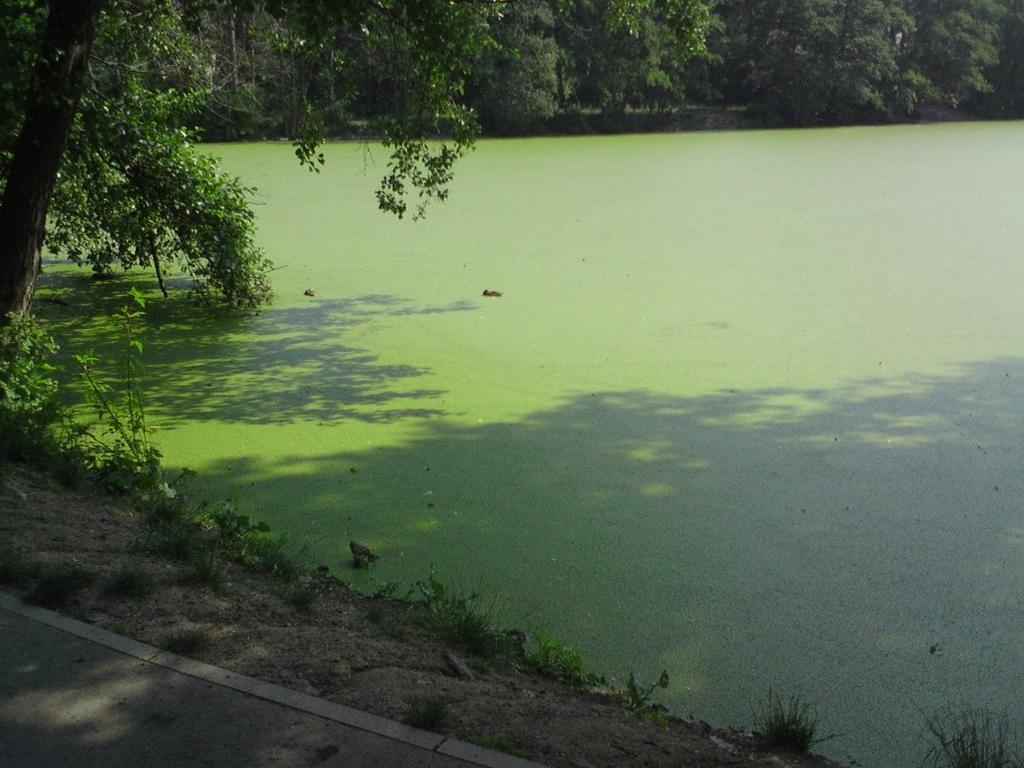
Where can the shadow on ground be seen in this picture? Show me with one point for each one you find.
(71, 703)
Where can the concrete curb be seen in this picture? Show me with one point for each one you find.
(354, 718)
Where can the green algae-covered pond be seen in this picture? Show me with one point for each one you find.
(751, 407)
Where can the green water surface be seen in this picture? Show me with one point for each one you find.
(751, 407)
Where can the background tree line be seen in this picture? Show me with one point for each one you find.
(102, 101)
(555, 67)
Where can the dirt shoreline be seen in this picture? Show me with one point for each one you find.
(357, 650)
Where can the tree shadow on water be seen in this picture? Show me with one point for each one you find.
(280, 365)
(859, 544)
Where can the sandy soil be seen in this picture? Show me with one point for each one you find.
(360, 651)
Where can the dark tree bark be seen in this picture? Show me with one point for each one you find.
(49, 112)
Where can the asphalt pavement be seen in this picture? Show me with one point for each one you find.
(73, 695)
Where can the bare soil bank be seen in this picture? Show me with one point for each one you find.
(360, 651)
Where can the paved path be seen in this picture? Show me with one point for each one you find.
(73, 695)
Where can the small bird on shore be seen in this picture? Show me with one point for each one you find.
(361, 554)
(309, 292)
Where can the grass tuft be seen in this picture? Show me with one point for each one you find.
(129, 583)
(426, 713)
(173, 540)
(456, 618)
(56, 588)
(185, 642)
(296, 594)
(205, 567)
(553, 658)
(970, 738)
(396, 630)
(461, 623)
(788, 725)
(268, 552)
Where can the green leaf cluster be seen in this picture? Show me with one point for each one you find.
(133, 191)
(117, 450)
(553, 658)
(639, 697)
(250, 542)
(28, 388)
(809, 62)
(457, 617)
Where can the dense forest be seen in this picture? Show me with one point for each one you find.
(102, 101)
(555, 67)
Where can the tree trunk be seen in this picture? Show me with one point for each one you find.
(49, 112)
(234, 56)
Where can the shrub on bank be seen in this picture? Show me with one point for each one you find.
(971, 738)
(790, 724)
(35, 427)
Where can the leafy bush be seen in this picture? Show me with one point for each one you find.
(135, 192)
(177, 540)
(554, 659)
(165, 505)
(385, 589)
(251, 543)
(639, 698)
(28, 391)
(457, 619)
(120, 456)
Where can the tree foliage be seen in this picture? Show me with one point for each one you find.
(133, 190)
(1006, 97)
(809, 62)
(110, 91)
(805, 62)
(163, 75)
(556, 64)
(514, 87)
(954, 42)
